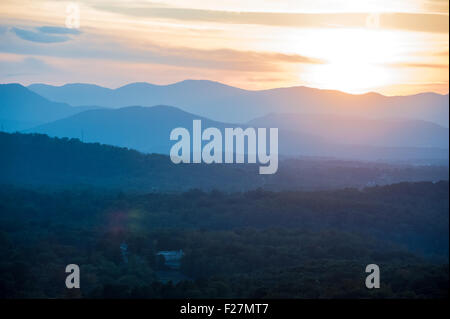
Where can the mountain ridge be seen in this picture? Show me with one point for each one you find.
(21, 108)
(230, 86)
(231, 104)
(147, 129)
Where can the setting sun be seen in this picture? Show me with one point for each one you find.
(354, 61)
(349, 77)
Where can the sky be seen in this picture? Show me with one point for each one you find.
(394, 47)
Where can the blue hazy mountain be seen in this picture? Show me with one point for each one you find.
(21, 108)
(229, 104)
(147, 129)
(361, 131)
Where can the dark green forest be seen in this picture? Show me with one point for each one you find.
(36, 160)
(257, 244)
(307, 232)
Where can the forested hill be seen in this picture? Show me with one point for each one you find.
(35, 159)
(253, 244)
(38, 160)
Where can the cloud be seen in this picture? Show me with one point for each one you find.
(437, 5)
(419, 65)
(423, 22)
(45, 34)
(94, 46)
(58, 30)
(34, 36)
(442, 53)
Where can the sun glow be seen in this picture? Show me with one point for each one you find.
(349, 77)
(354, 59)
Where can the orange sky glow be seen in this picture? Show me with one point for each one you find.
(394, 47)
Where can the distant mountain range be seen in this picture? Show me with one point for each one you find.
(147, 129)
(21, 108)
(361, 131)
(229, 104)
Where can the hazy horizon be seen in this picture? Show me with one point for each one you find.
(114, 87)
